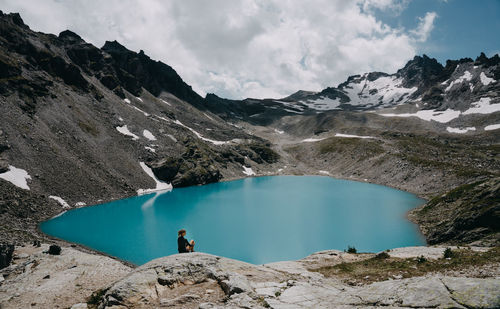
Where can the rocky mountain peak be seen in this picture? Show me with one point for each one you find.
(421, 70)
(15, 18)
(114, 46)
(70, 37)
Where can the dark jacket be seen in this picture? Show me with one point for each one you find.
(181, 244)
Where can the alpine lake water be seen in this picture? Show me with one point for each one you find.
(257, 220)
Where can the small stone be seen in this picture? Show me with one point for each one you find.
(54, 250)
(79, 306)
(46, 277)
(209, 291)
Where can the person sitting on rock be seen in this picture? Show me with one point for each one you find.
(183, 245)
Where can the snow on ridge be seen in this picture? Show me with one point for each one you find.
(323, 103)
(312, 140)
(428, 115)
(201, 136)
(160, 185)
(483, 106)
(139, 99)
(60, 201)
(465, 77)
(351, 135)
(388, 91)
(150, 148)
(492, 127)
(125, 131)
(460, 130)
(485, 79)
(17, 177)
(248, 171)
(147, 134)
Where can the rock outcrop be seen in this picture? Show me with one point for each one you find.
(205, 281)
(467, 214)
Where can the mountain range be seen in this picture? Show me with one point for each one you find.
(81, 125)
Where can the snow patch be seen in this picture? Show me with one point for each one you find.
(384, 91)
(483, 106)
(324, 172)
(492, 127)
(150, 148)
(147, 134)
(160, 185)
(17, 177)
(428, 115)
(208, 117)
(165, 102)
(126, 101)
(60, 201)
(460, 130)
(125, 131)
(199, 135)
(139, 99)
(172, 137)
(350, 135)
(279, 131)
(312, 140)
(323, 103)
(120, 118)
(465, 77)
(485, 79)
(248, 171)
(80, 204)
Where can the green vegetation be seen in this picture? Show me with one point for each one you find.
(95, 298)
(379, 269)
(362, 147)
(351, 249)
(451, 196)
(448, 253)
(88, 128)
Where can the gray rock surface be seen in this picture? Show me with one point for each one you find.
(235, 284)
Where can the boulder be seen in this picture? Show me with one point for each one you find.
(6, 252)
(54, 250)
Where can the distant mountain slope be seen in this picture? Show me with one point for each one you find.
(422, 83)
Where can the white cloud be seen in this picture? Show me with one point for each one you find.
(242, 48)
(425, 26)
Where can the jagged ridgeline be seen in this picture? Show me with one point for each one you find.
(82, 124)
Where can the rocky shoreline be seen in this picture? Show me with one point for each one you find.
(81, 280)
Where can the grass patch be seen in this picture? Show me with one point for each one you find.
(380, 269)
(88, 128)
(363, 147)
(95, 298)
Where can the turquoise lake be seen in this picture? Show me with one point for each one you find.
(257, 220)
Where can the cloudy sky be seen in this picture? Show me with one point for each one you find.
(271, 48)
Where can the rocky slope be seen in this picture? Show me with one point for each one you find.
(77, 121)
(467, 214)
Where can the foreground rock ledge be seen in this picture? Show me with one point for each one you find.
(201, 280)
(198, 280)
